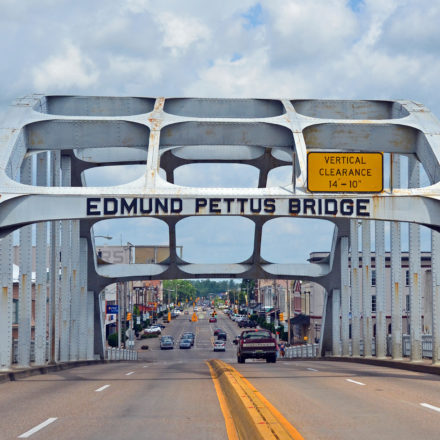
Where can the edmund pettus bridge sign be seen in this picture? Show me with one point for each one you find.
(335, 149)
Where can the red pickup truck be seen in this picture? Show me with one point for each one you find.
(256, 344)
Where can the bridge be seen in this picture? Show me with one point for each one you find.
(47, 142)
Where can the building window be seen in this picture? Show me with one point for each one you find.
(373, 277)
(407, 304)
(406, 277)
(373, 303)
(15, 311)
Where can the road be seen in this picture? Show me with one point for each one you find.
(170, 394)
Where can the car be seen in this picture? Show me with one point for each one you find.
(256, 344)
(166, 344)
(221, 336)
(212, 319)
(189, 335)
(217, 331)
(152, 330)
(219, 346)
(185, 343)
(186, 312)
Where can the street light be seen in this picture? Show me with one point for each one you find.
(107, 237)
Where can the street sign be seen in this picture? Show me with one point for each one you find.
(345, 172)
(112, 309)
(194, 317)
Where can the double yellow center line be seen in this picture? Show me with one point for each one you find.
(248, 414)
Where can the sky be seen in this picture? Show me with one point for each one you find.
(356, 49)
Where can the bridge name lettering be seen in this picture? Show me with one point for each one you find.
(138, 206)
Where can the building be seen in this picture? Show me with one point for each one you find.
(307, 298)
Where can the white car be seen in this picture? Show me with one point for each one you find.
(219, 346)
(153, 329)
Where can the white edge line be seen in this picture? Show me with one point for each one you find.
(427, 405)
(312, 369)
(128, 374)
(38, 427)
(354, 381)
(102, 388)
(145, 366)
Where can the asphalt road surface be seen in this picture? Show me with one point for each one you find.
(170, 395)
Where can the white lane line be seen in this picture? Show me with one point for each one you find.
(434, 408)
(128, 374)
(102, 388)
(312, 369)
(145, 366)
(354, 381)
(38, 427)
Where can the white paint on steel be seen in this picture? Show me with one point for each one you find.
(435, 270)
(367, 326)
(66, 268)
(54, 271)
(83, 299)
(75, 291)
(336, 327)
(415, 295)
(345, 297)
(41, 264)
(6, 302)
(355, 288)
(25, 281)
(396, 276)
(38, 427)
(381, 319)
(90, 324)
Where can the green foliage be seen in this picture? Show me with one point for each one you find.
(179, 291)
(113, 339)
(150, 336)
(136, 311)
(137, 328)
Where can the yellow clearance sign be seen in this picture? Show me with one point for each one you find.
(345, 172)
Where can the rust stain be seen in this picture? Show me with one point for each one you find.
(5, 292)
(209, 131)
(396, 289)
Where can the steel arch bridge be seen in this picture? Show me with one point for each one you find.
(47, 142)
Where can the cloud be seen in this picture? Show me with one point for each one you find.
(179, 33)
(70, 69)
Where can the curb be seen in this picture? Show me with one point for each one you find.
(11, 376)
(253, 416)
(388, 363)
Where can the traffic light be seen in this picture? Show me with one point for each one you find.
(129, 316)
(281, 316)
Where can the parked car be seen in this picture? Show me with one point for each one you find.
(219, 346)
(185, 343)
(154, 329)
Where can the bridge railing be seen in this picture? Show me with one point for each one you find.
(302, 351)
(312, 350)
(121, 354)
